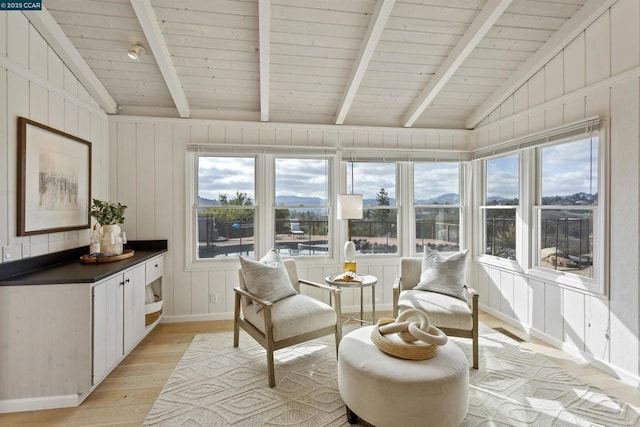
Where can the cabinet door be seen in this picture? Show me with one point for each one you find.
(134, 283)
(107, 326)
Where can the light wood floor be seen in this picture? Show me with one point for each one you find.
(126, 396)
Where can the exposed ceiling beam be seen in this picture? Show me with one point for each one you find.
(367, 47)
(264, 26)
(556, 43)
(62, 46)
(149, 23)
(487, 17)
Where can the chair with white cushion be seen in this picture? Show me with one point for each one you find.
(269, 307)
(295, 230)
(435, 284)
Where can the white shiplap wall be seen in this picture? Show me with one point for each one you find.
(148, 175)
(598, 73)
(34, 83)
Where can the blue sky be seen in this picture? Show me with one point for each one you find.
(566, 169)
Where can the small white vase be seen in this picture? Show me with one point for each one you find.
(109, 242)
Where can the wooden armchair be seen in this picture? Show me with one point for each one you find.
(286, 322)
(452, 315)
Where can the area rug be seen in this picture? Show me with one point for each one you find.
(216, 384)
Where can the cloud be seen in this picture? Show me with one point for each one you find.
(302, 177)
(435, 179)
(225, 175)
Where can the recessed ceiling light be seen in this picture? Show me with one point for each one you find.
(136, 51)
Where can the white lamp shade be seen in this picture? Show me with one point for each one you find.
(349, 206)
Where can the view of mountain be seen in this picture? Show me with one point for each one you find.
(444, 199)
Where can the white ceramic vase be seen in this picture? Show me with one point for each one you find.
(111, 242)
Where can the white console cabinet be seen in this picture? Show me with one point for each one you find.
(58, 341)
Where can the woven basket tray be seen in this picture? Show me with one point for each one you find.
(402, 349)
(149, 318)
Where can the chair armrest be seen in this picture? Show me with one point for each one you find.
(472, 292)
(252, 297)
(332, 289)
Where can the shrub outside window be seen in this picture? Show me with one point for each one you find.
(436, 188)
(225, 206)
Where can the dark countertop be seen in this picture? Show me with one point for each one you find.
(65, 267)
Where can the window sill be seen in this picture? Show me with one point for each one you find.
(502, 263)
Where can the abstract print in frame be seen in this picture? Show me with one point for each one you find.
(54, 180)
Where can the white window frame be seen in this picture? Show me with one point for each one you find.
(264, 202)
(399, 214)
(481, 238)
(598, 283)
(329, 206)
(460, 206)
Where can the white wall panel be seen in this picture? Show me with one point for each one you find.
(55, 68)
(625, 199)
(598, 55)
(18, 43)
(37, 53)
(625, 35)
(553, 77)
(506, 293)
(126, 174)
(574, 65)
(3, 35)
(597, 328)
(145, 181)
(537, 305)
(181, 279)
(38, 103)
(521, 298)
(574, 318)
(553, 322)
(4, 153)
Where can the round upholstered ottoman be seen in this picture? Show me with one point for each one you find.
(388, 391)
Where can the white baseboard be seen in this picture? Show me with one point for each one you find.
(38, 403)
(606, 367)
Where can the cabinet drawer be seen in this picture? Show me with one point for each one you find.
(154, 269)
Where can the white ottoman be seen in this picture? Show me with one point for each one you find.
(388, 391)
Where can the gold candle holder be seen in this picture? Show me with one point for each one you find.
(350, 266)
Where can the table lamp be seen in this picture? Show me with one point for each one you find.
(349, 207)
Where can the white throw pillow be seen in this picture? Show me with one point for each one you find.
(443, 273)
(267, 279)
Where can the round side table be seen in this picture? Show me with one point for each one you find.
(361, 281)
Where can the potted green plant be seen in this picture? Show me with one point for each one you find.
(109, 215)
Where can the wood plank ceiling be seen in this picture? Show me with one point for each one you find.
(420, 63)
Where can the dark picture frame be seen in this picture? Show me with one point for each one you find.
(54, 180)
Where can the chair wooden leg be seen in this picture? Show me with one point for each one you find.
(271, 371)
(475, 349)
(236, 317)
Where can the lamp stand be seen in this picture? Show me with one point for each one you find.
(349, 253)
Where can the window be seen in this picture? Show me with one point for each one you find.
(225, 206)
(501, 200)
(436, 191)
(567, 206)
(377, 231)
(302, 210)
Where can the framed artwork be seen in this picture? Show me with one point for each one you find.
(54, 180)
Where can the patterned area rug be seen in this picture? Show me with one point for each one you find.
(218, 385)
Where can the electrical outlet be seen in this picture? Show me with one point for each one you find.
(6, 253)
(26, 250)
(213, 298)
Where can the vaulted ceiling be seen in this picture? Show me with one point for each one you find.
(411, 63)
